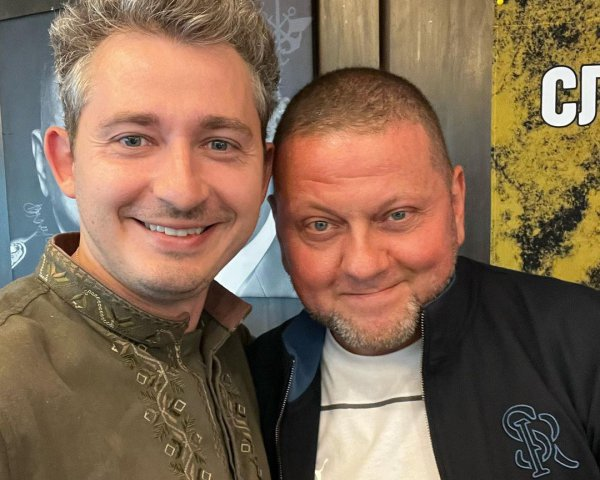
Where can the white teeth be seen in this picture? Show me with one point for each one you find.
(174, 232)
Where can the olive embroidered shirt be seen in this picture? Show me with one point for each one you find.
(93, 388)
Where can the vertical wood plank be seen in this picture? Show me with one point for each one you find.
(445, 48)
(348, 34)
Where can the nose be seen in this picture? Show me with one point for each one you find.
(178, 180)
(365, 257)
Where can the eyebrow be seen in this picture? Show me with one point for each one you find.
(324, 209)
(213, 122)
(210, 122)
(318, 208)
(143, 119)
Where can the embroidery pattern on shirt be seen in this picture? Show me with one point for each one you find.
(93, 300)
(165, 411)
(237, 413)
(161, 383)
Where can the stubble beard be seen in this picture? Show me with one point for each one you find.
(355, 337)
(398, 333)
(171, 292)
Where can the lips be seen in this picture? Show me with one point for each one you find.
(370, 292)
(174, 232)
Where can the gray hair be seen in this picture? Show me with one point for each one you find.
(362, 100)
(84, 24)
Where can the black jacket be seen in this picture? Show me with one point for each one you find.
(511, 375)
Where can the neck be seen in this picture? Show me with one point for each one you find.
(187, 309)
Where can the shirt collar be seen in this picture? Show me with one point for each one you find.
(96, 302)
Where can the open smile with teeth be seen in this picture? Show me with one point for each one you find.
(174, 232)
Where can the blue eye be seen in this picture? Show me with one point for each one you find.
(132, 141)
(320, 225)
(219, 145)
(398, 215)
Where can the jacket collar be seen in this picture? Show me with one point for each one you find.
(96, 302)
(303, 339)
(447, 318)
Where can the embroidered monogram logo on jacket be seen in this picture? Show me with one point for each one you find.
(538, 432)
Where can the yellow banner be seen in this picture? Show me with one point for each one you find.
(546, 138)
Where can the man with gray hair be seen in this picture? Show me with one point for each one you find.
(121, 357)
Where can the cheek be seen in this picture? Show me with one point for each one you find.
(416, 254)
(433, 262)
(247, 206)
(95, 179)
(430, 250)
(106, 194)
(242, 190)
(311, 269)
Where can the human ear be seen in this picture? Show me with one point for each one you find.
(273, 203)
(59, 154)
(458, 192)
(268, 166)
(37, 148)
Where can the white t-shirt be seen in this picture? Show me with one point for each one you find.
(373, 422)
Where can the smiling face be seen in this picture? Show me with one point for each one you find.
(369, 230)
(168, 168)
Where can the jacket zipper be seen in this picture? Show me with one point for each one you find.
(423, 388)
(422, 364)
(280, 418)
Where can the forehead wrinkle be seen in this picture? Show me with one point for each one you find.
(310, 192)
(354, 167)
(343, 179)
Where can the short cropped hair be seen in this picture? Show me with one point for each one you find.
(83, 24)
(361, 100)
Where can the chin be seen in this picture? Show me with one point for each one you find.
(359, 334)
(163, 290)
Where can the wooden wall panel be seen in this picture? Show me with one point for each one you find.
(445, 48)
(348, 34)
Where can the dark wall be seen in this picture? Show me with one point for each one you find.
(18, 8)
